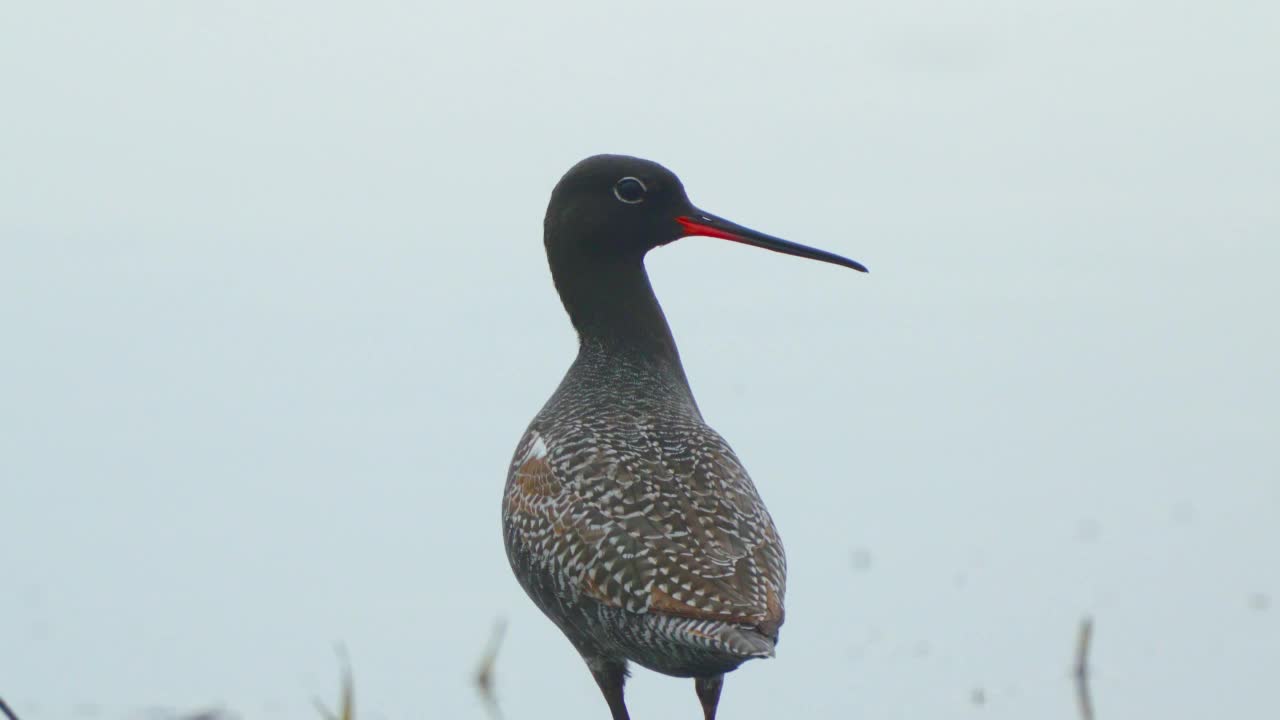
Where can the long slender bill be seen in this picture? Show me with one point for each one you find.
(704, 223)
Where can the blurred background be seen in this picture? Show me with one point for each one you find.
(275, 312)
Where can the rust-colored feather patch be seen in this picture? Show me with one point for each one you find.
(593, 590)
(533, 484)
(775, 615)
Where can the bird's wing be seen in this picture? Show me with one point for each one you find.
(677, 529)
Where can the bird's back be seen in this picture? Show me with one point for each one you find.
(620, 497)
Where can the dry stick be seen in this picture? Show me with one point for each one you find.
(1083, 696)
(8, 712)
(483, 677)
(347, 708)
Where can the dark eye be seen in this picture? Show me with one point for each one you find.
(629, 190)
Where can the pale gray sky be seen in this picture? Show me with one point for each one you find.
(275, 312)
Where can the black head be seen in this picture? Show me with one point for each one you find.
(613, 209)
(604, 215)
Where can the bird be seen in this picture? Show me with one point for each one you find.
(627, 519)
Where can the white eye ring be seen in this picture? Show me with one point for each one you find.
(633, 200)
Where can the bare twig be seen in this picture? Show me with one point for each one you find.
(483, 677)
(8, 711)
(1083, 696)
(346, 709)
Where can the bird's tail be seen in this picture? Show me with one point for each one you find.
(745, 641)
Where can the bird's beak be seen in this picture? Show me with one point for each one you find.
(704, 223)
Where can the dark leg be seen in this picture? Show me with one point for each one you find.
(610, 676)
(709, 693)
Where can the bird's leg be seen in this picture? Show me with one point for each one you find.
(709, 693)
(610, 675)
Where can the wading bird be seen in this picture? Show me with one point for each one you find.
(627, 519)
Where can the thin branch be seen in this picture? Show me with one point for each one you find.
(483, 677)
(347, 706)
(8, 711)
(1083, 696)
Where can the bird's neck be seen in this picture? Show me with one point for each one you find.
(621, 325)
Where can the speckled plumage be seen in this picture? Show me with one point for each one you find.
(633, 526)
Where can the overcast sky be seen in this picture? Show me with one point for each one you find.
(275, 312)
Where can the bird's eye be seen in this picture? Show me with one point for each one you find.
(629, 190)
